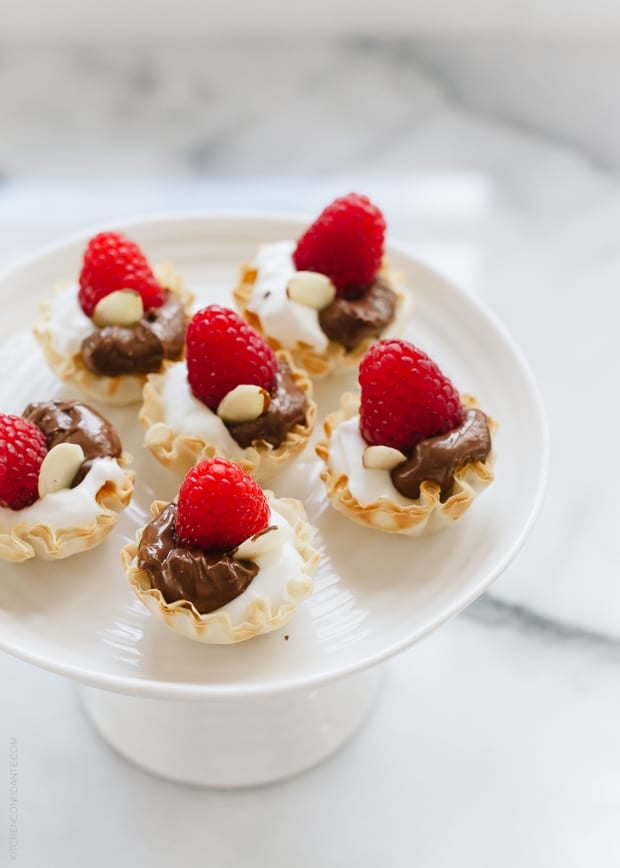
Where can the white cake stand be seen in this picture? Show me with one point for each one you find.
(265, 709)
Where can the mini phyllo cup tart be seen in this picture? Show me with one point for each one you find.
(381, 470)
(328, 296)
(124, 321)
(232, 397)
(63, 481)
(227, 561)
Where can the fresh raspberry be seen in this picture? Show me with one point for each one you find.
(223, 352)
(405, 397)
(112, 262)
(22, 450)
(346, 243)
(220, 506)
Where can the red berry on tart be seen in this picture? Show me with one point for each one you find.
(345, 243)
(112, 262)
(220, 506)
(224, 352)
(22, 451)
(404, 396)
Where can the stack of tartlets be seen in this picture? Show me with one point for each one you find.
(226, 400)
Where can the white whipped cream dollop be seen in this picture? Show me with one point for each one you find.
(69, 507)
(287, 321)
(185, 414)
(346, 451)
(68, 325)
(276, 569)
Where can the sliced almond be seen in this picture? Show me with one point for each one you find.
(382, 458)
(311, 289)
(243, 404)
(59, 467)
(123, 308)
(260, 544)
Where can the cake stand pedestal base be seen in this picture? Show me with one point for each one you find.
(237, 741)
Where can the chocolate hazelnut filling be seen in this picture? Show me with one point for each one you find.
(209, 580)
(73, 422)
(436, 459)
(348, 321)
(139, 349)
(287, 408)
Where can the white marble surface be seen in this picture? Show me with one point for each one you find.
(496, 740)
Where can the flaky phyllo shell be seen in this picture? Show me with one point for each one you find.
(25, 539)
(261, 615)
(180, 452)
(319, 364)
(428, 513)
(118, 391)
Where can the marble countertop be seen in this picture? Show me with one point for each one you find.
(496, 739)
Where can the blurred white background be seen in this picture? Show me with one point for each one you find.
(550, 64)
(148, 19)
